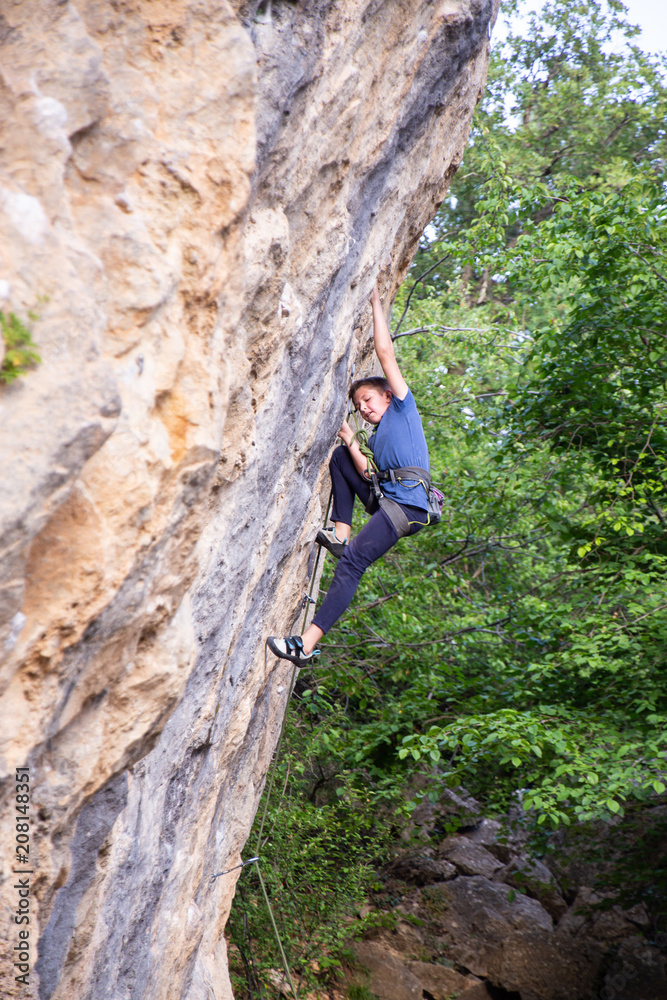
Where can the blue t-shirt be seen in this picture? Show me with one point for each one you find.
(399, 441)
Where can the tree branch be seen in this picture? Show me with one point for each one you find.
(648, 263)
(417, 281)
(434, 330)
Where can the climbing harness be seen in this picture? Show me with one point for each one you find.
(416, 476)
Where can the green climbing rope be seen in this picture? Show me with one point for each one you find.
(361, 437)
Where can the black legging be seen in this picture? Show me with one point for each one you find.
(375, 538)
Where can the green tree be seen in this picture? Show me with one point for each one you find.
(568, 95)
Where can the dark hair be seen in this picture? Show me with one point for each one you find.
(375, 381)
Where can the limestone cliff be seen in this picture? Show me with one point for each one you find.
(196, 197)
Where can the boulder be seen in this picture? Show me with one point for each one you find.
(542, 966)
(589, 915)
(469, 858)
(508, 938)
(404, 939)
(461, 804)
(478, 991)
(439, 981)
(478, 917)
(451, 804)
(535, 879)
(388, 977)
(503, 852)
(638, 972)
(419, 869)
(486, 832)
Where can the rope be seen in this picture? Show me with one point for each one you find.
(308, 600)
(361, 437)
(275, 931)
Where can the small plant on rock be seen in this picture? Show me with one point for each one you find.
(20, 349)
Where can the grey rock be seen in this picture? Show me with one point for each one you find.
(638, 915)
(486, 832)
(590, 914)
(469, 858)
(534, 878)
(451, 804)
(508, 938)
(459, 803)
(440, 981)
(638, 972)
(540, 966)
(503, 852)
(388, 977)
(478, 991)
(419, 869)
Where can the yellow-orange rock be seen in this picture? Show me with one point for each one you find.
(196, 197)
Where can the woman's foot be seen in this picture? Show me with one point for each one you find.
(328, 539)
(291, 649)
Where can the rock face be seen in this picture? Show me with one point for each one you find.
(196, 197)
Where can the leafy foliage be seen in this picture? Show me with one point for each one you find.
(582, 411)
(568, 96)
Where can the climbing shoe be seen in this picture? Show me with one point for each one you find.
(291, 649)
(328, 539)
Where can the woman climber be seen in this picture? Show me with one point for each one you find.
(401, 508)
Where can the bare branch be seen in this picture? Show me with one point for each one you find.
(421, 277)
(439, 331)
(464, 399)
(416, 330)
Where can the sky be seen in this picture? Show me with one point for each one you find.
(650, 15)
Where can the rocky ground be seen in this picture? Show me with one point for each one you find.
(478, 915)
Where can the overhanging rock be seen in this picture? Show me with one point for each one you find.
(195, 201)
